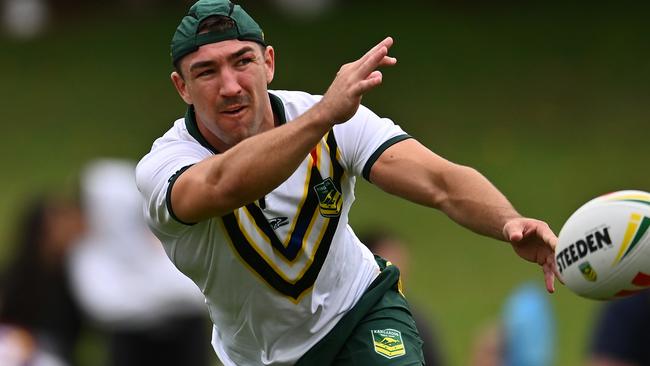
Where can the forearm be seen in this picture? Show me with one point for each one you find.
(461, 192)
(467, 197)
(260, 163)
(248, 170)
(472, 201)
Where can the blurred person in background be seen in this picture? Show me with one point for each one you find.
(389, 246)
(250, 195)
(24, 19)
(488, 345)
(621, 336)
(153, 314)
(524, 335)
(40, 321)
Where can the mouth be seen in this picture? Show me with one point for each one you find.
(233, 111)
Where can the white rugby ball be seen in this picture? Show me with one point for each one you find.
(603, 250)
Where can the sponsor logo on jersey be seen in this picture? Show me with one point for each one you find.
(277, 222)
(330, 199)
(588, 272)
(388, 342)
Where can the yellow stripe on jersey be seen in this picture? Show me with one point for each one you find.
(259, 251)
(329, 153)
(263, 264)
(267, 241)
(305, 193)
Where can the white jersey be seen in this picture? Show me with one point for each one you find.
(279, 273)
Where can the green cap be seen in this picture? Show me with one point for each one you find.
(187, 40)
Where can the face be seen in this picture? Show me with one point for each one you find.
(227, 84)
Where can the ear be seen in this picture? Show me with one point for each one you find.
(181, 87)
(269, 63)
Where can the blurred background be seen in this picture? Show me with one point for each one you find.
(550, 100)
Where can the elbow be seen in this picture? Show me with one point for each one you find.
(438, 199)
(197, 197)
(231, 193)
(223, 196)
(448, 184)
(437, 193)
(227, 196)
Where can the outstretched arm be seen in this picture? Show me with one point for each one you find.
(255, 166)
(465, 196)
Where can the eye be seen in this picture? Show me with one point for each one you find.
(245, 61)
(203, 73)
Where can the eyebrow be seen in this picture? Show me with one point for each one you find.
(231, 57)
(239, 53)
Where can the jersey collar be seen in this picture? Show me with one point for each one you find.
(193, 128)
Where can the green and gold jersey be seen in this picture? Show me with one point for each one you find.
(278, 273)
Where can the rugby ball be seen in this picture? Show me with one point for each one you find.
(603, 251)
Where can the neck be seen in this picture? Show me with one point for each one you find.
(269, 121)
(213, 140)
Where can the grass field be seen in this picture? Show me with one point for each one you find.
(550, 103)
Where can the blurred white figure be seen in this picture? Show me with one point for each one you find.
(124, 280)
(120, 271)
(25, 18)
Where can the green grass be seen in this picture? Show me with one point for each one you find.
(550, 105)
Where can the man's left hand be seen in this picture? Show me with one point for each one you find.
(534, 241)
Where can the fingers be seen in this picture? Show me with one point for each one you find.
(376, 57)
(373, 80)
(549, 267)
(547, 235)
(354, 79)
(551, 272)
(549, 277)
(515, 236)
(557, 274)
(386, 42)
(516, 230)
(363, 73)
(535, 241)
(556, 271)
(513, 231)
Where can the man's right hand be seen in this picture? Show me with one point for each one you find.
(354, 79)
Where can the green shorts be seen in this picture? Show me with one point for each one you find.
(379, 330)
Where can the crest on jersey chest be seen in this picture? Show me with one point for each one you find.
(330, 200)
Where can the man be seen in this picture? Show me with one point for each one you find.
(250, 194)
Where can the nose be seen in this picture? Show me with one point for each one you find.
(229, 83)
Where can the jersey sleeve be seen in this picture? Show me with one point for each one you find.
(364, 138)
(155, 176)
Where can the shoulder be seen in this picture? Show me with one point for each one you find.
(178, 132)
(296, 97)
(173, 150)
(295, 102)
(175, 140)
(364, 121)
